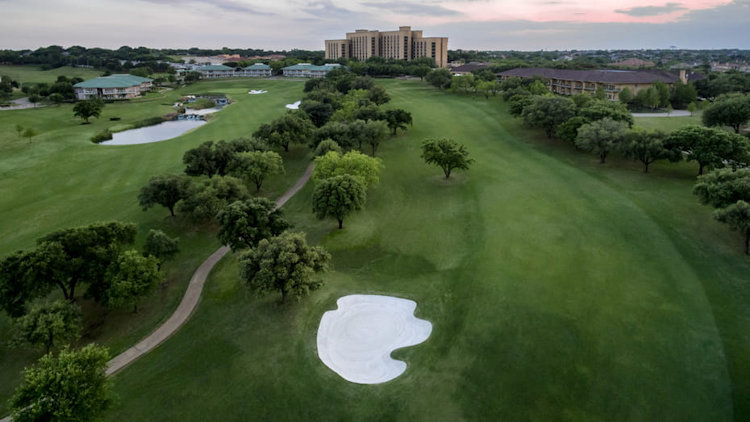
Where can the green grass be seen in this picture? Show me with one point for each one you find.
(35, 75)
(558, 289)
(668, 124)
(60, 179)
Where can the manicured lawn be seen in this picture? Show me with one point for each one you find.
(558, 289)
(668, 124)
(60, 179)
(34, 74)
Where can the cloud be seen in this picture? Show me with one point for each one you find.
(224, 5)
(416, 9)
(326, 9)
(642, 11)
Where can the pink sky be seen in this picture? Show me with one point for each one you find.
(586, 11)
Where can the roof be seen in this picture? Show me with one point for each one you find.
(258, 66)
(113, 81)
(308, 66)
(469, 67)
(602, 76)
(214, 67)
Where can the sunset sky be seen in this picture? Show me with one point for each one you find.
(286, 24)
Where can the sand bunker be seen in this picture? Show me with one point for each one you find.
(256, 91)
(294, 106)
(357, 339)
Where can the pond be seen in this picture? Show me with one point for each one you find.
(156, 133)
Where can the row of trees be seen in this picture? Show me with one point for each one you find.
(660, 95)
(98, 257)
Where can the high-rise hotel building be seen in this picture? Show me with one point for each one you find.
(403, 44)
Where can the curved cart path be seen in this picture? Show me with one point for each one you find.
(191, 298)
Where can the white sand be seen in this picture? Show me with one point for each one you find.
(294, 106)
(256, 91)
(357, 339)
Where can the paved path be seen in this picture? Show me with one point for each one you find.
(191, 298)
(674, 113)
(189, 301)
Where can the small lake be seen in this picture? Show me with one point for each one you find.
(156, 133)
(202, 112)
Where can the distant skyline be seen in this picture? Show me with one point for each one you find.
(287, 24)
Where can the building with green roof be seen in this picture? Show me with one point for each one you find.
(257, 70)
(113, 87)
(218, 71)
(307, 70)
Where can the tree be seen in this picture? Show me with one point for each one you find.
(374, 133)
(72, 256)
(165, 190)
(601, 136)
(242, 224)
(737, 217)
(50, 324)
(212, 159)
(723, 187)
(421, 71)
(732, 111)
(692, 107)
(337, 197)
(292, 127)
(365, 169)
(644, 146)
(18, 282)
(325, 146)
(709, 147)
(87, 109)
(548, 112)
(683, 95)
(29, 133)
(160, 246)
(19, 130)
(625, 96)
(397, 119)
(662, 92)
(568, 130)
(255, 166)
(284, 263)
(464, 84)
(207, 196)
(600, 93)
(447, 154)
(440, 78)
(597, 110)
(318, 112)
(378, 95)
(71, 386)
(131, 277)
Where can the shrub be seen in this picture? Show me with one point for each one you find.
(104, 135)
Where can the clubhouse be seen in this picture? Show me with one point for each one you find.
(113, 87)
(571, 82)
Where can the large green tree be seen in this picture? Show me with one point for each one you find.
(737, 217)
(213, 158)
(597, 110)
(723, 187)
(710, 147)
(284, 263)
(130, 278)
(165, 190)
(440, 78)
(397, 119)
(601, 137)
(644, 146)
(337, 197)
(87, 109)
(19, 282)
(71, 387)
(207, 196)
(160, 246)
(732, 111)
(373, 133)
(366, 169)
(548, 112)
(255, 166)
(242, 224)
(50, 324)
(293, 127)
(447, 154)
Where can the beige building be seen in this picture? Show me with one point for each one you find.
(403, 44)
(571, 82)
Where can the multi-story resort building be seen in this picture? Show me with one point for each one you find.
(570, 82)
(221, 71)
(113, 87)
(403, 44)
(257, 70)
(307, 70)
